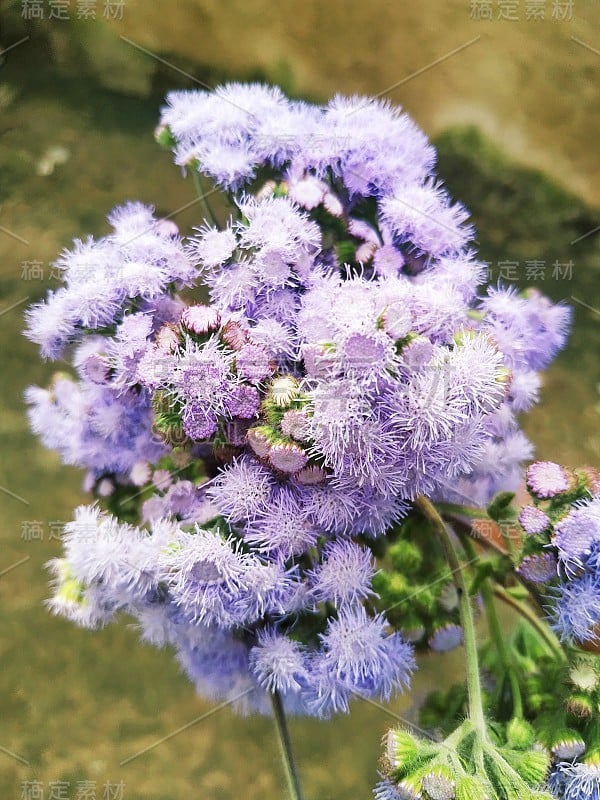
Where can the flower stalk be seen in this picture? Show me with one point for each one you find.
(285, 745)
(476, 713)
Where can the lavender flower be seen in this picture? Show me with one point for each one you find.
(547, 479)
(577, 608)
(344, 576)
(278, 662)
(358, 656)
(578, 532)
(344, 363)
(533, 520)
(576, 781)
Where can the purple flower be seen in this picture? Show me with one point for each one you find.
(253, 363)
(533, 520)
(576, 609)
(422, 215)
(358, 658)
(576, 781)
(243, 401)
(304, 404)
(539, 568)
(199, 423)
(207, 578)
(242, 490)
(446, 638)
(278, 662)
(547, 479)
(282, 528)
(577, 533)
(344, 575)
(137, 261)
(385, 790)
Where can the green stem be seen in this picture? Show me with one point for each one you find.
(202, 197)
(496, 633)
(476, 713)
(543, 630)
(498, 639)
(285, 744)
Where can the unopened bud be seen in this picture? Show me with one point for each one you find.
(439, 784)
(519, 734)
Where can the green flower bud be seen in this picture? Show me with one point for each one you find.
(412, 632)
(532, 765)
(449, 597)
(539, 700)
(592, 758)
(283, 390)
(471, 788)
(69, 590)
(519, 734)
(405, 556)
(409, 788)
(584, 676)
(261, 439)
(439, 784)
(381, 584)
(566, 744)
(399, 586)
(579, 705)
(164, 137)
(401, 748)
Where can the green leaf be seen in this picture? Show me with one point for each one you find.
(499, 509)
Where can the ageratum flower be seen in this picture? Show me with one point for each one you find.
(348, 359)
(562, 548)
(576, 781)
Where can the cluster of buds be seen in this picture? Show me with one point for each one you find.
(468, 765)
(417, 590)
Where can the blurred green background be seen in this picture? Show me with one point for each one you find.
(513, 106)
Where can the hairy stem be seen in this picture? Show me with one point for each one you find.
(285, 744)
(476, 714)
(202, 195)
(498, 639)
(495, 632)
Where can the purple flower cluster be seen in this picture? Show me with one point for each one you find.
(344, 364)
(562, 547)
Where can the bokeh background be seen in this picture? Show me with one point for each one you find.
(508, 91)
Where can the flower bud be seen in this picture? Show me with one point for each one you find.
(470, 788)
(283, 390)
(310, 476)
(234, 335)
(287, 457)
(519, 734)
(532, 765)
(164, 137)
(584, 676)
(167, 338)
(400, 748)
(439, 784)
(260, 439)
(446, 638)
(566, 745)
(579, 705)
(546, 479)
(200, 319)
